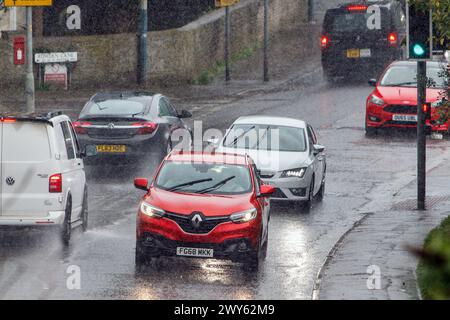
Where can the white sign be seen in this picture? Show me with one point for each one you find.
(56, 57)
(374, 19)
(57, 74)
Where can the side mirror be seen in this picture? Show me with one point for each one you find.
(89, 151)
(318, 149)
(184, 114)
(373, 82)
(266, 190)
(213, 141)
(141, 184)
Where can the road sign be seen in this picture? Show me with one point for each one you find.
(28, 3)
(56, 57)
(225, 3)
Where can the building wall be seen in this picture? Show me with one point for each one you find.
(174, 55)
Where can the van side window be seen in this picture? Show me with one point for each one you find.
(68, 140)
(76, 143)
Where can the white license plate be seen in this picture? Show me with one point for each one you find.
(195, 252)
(365, 53)
(403, 117)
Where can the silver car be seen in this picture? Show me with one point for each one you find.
(285, 152)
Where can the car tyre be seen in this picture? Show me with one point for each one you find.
(371, 132)
(308, 204)
(256, 258)
(85, 212)
(321, 193)
(66, 228)
(141, 258)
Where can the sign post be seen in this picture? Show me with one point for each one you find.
(29, 79)
(227, 4)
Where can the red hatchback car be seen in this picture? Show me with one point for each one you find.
(205, 206)
(393, 103)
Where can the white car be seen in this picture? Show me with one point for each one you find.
(286, 154)
(42, 174)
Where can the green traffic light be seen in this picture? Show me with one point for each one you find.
(419, 50)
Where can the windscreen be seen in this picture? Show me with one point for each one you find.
(354, 22)
(268, 138)
(211, 178)
(114, 107)
(406, 76)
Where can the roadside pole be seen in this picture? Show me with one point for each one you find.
(421, 134)
(266, 40)
(29, 81)
(227, 43)
(143, 42)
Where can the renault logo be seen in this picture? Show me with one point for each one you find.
(10, 181)
(111, 126)
(197, 220)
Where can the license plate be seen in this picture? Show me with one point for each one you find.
(365, 53)
(402, 117)
(112, 148)
(195, 252)
(353, 53)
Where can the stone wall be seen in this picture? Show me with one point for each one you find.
(174, 55)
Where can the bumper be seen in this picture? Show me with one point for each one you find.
(290, 189)
(379, 119)
(52, 219)
(236, 250)
(166, 235)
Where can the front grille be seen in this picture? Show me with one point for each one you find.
(401, 123)
(279, 194)
(206, 226)
(401, 109)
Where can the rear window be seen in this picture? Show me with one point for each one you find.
(115, 107)
(344, 22)
(23, 141)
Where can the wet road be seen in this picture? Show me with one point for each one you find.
(35, 266)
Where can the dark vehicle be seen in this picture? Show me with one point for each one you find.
(354, 40)
(129, 126)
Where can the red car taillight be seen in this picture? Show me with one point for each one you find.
(392, 38)
(55, 183)
(324, 41)
(145, 127)
(8, 120)
(357, 7)
(80, 126)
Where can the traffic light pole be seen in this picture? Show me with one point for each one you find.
(143, 42)
(227, 43)
(421, 134)
(266, 41)
(29, 80)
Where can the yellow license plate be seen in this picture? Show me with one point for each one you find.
(112, 148)
(353, 53)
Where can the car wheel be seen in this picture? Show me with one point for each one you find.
(307, 205)
(66, 228)
(371, 132)
(321, 193)
(141, 258)
(84, 212)
(255, 258)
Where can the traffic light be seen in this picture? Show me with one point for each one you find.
(427, 111)
(419, 34)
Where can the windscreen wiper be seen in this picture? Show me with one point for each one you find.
(217, 185)
(240, 136)
(190, 183)
(401, 84)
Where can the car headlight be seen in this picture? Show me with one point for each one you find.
(244, 216)
(377, 100)
(152, 211)
(298, 173)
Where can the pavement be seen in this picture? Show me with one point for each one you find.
(380, 242)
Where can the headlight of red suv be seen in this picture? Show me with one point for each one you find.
(152, 211)
(377, 100)
(244, 216)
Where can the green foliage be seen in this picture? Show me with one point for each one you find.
(441, 16)
(434, 268)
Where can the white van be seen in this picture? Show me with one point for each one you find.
(42, 178)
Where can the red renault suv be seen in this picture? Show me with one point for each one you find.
(206, 206)
(393, 102)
